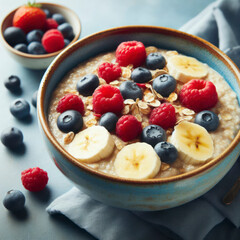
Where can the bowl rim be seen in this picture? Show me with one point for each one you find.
(117, 30)
(47, 55)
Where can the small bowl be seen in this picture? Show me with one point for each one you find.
(40, 61)
(151, 194)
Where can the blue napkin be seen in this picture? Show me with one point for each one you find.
(219, 24)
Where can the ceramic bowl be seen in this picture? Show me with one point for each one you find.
(40, 61)
(144, 195)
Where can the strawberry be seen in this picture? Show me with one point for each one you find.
(29, 17)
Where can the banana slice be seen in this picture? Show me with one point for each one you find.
(138, 161)
(185, 68)
(92, 145)
(194, 143)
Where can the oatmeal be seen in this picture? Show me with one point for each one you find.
(145, 105)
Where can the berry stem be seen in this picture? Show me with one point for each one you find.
(33, 4)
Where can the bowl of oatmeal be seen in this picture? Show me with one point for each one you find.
(141, 117)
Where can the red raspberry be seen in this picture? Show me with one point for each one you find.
(198, 95)
(131, 52)
(51, 24)
(70, 102)
(109, 71)
(107, 98)
(34, 179)
(53, 40)
(163, 116)
(128, 128)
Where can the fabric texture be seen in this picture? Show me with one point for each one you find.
(218, 24)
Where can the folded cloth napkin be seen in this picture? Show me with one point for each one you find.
(219, 24)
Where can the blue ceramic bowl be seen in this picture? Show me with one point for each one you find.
(152, 194)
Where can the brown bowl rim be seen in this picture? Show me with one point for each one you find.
(117, 30)
(41, 56)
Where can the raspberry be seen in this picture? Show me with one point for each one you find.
(107, 98)
(70, 102)
(53, 40)
(34, 179)
(128, 128)
(51, 24)
(131, 52)
(163, 116)
(109, 71)
(198, 95)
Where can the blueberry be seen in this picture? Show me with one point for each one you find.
(12, 83)
(14, 200)
(153, 134)
(88, 84)
(141, 75)
(47, 12)
(14, 35)
(166, 151)
(70, 121)
(155, 61)
(36, 48)
(164, 84)
(34, 36)
(66, 42)
(109, 121)
(20, 108)
(34, 99)
(59, 18)
(207, 119)
(12, 137)
(66, 30)
(130, 90)
(22, 47)
(70, 38)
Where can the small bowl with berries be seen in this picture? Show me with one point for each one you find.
(35, 33)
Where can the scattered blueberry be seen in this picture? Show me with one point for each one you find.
(155, 61)
(109, 121)
(34, 36)
(20, 108)
(22, 47)
(66, 30)
(153, 134)
(14, 35)
(12, 83)
(47, 12)
(164, 84)
(166, 151)
(36, 48)
(66, 42)
(14, 200)
(207, 119)
(58, 18)
(130, 90)
(12, 138)
(88, 84)
(70, 121)
(34, 99)
(141, 75)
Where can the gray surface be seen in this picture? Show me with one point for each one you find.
(95, 15)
